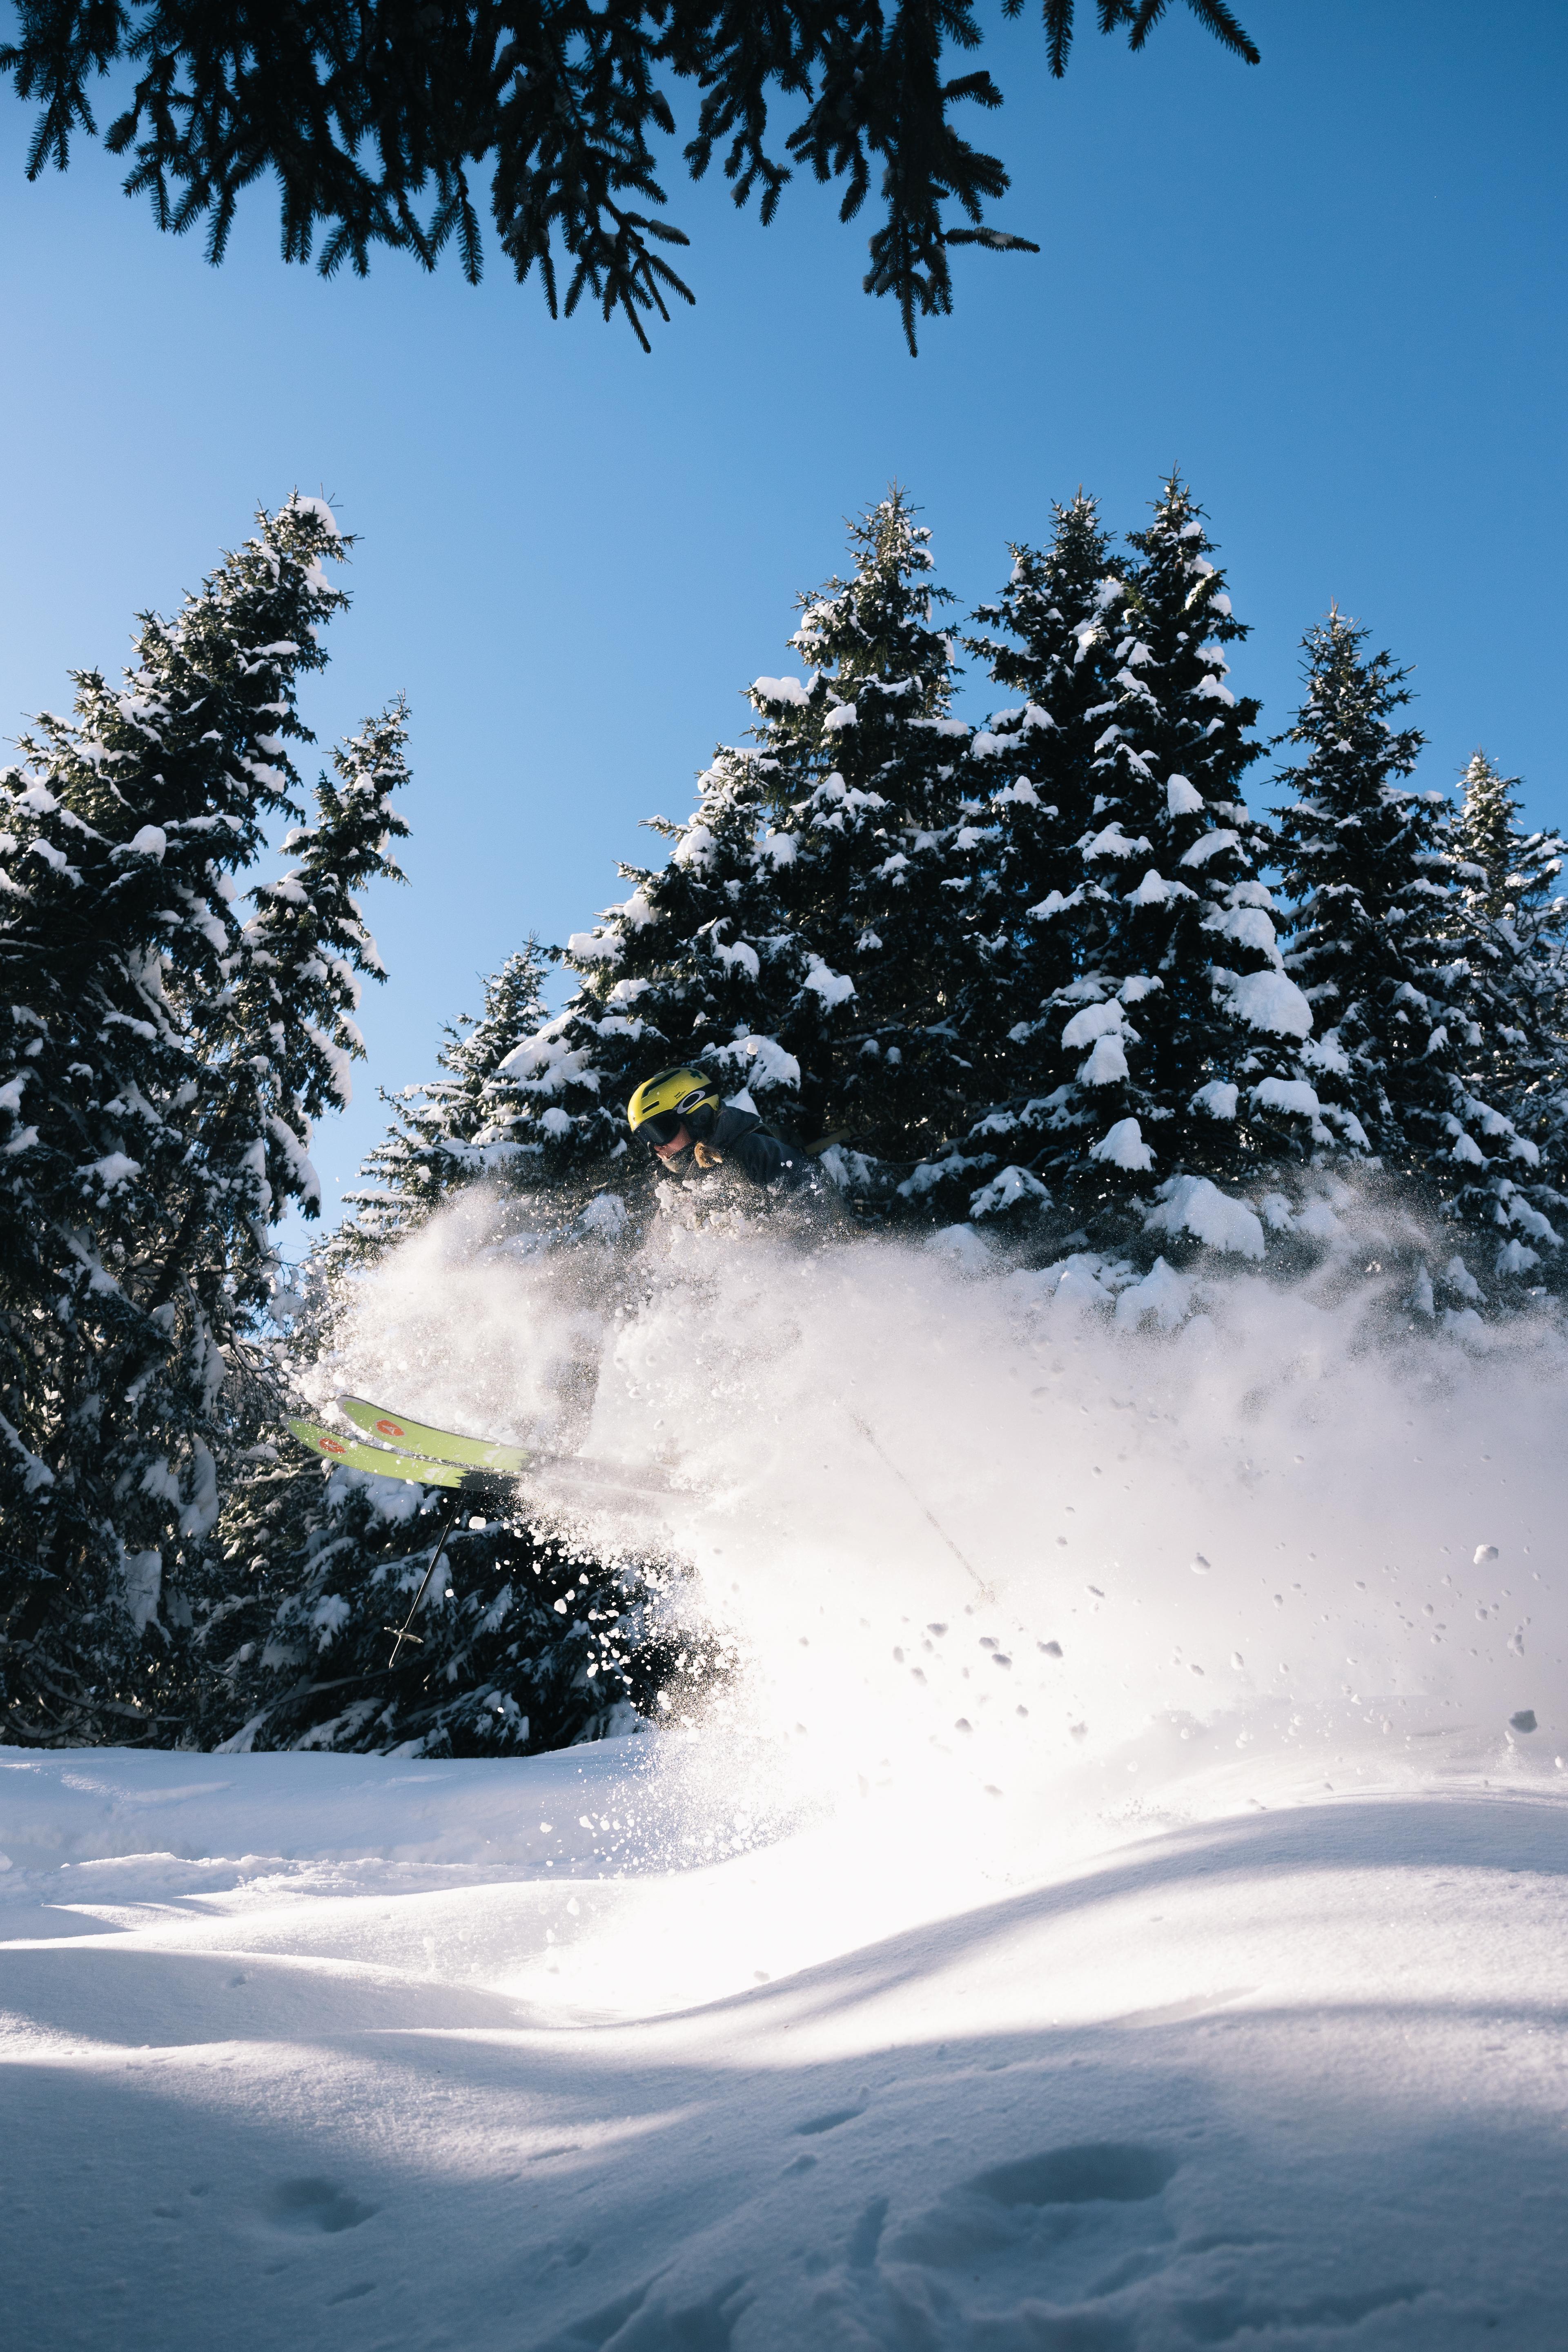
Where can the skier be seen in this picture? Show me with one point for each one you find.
(678, 1110)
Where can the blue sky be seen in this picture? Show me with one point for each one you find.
(1331, 288)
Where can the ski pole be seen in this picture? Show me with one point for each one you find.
(869, 1436)
(402, 1630)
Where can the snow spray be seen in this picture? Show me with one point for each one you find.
(1018, 1550)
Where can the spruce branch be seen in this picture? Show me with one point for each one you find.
(382, 120)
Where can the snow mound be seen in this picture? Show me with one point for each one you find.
(1121, 1908)
(1287, 2075)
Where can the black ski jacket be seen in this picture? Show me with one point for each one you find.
(740, 1141)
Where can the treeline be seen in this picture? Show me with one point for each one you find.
(1052, 975)
(1051, 979)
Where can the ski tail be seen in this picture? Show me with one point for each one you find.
(382, 1463)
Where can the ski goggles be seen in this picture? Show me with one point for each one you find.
(663, 1127)
(666, 1124)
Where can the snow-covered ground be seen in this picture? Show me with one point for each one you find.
(380, 2075)
(1165, 1946)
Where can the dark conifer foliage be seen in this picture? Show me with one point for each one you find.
(1504, 874)
(1038, 761)
(1374, 940)
(160, 1064)
(385, 119)
(1166, 1059)
(1362, 864)
(1361, 861)
(284, 1015)
(867, 770)
(1513, 936)
(525, 1641)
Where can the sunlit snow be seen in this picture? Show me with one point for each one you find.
(1122, 1909)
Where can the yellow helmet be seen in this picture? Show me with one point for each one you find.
(669, 1100)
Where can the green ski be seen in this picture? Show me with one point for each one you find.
(481, 1465)
(501, 1461)
(441, 1444)
(382, 1464)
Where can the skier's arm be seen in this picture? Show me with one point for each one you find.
(739, 1137)
(765, 1159)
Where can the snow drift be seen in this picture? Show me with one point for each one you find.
(1120, 1908)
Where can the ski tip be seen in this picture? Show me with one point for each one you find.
(372, 1418)
(384, 1425)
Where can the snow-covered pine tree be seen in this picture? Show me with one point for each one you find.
(1503, 872)
(1399, 1060)
(154, 1119)
(1060, 611)
(1361, 866)
(1172, 1044)
(697, 964)
(1512, 930)
(283, 1027)
(451, 1131)
(868, 776)
(818, 855)
(525, 1641)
